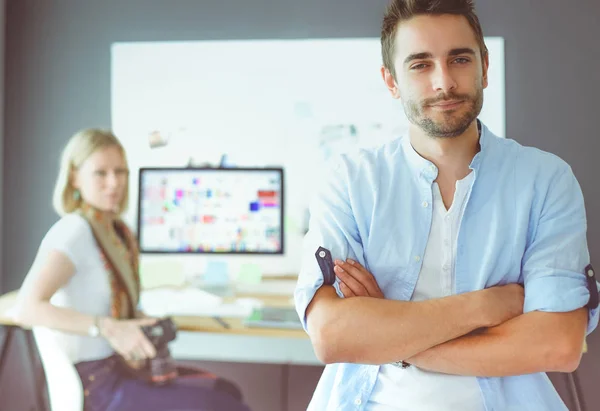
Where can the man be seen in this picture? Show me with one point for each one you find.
(477, 243)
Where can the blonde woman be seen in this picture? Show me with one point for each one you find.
(84, 284)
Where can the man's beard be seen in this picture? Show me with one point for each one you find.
(451, 126)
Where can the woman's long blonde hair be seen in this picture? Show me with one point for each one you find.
(82, 145)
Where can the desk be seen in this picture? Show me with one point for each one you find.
(204, 339)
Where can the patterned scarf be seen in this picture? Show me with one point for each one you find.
(120, 255)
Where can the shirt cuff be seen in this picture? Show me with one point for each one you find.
(302, 298)
(559, 294)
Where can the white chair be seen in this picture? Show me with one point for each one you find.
(65, 390)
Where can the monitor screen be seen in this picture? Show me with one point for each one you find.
(211, 210)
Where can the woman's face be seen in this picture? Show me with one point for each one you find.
(102, 179)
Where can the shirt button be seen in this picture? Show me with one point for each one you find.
(425, 204)
(446, 267)
(417, 258)
(447, 243)
(432, 167)
(358, 401)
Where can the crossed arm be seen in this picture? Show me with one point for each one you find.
(462, 334)
(532, 342)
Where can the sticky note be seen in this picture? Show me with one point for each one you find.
(249, 274)
(290, 224)
(216, 272)
(165, 273)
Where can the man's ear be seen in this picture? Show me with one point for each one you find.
(390, 82)
(486, 65)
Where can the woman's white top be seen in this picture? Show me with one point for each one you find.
(88, 291)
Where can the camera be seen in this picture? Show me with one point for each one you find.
(161, 333)
(161, 369)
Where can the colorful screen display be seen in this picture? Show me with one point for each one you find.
(211, 210)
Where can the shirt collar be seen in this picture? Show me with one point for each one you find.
(428, 170)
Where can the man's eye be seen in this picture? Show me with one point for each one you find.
(100, 173)
(462, 60)
(418, 66)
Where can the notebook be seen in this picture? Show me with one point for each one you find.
(273, 317)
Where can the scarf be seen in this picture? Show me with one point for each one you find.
(120, 256)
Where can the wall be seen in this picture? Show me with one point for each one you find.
(58, 67)
(2, 90)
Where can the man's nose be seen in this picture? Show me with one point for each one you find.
(443, 81)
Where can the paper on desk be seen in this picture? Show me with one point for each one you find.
(157, 273)
(249, 274)
(167, 301)
(230, 310)
(192, 302)
(271, 287)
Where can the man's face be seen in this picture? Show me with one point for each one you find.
(440, 75)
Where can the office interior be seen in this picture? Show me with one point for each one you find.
(71, 64)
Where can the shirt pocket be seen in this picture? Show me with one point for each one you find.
(392, 279)
(389, 260)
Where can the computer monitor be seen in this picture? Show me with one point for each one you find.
(211, 210)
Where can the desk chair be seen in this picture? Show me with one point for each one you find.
(575, 391)
(22, 382)
(65, 390)
(574, 386)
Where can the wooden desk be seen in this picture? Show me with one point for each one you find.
(210, 325)
(204, 339)
(194, 323)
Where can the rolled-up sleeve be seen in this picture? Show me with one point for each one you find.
(332, 226)
(554, 262)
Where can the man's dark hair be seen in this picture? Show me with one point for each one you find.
(402, 10)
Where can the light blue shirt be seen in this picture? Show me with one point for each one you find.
(524, 222)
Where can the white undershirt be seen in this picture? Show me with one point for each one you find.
(413, 389)
(88, 291)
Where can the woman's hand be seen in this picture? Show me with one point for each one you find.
(127, 339)
(355, 280)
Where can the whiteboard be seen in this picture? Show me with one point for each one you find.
(289, 103)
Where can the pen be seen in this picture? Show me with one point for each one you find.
(220, 321)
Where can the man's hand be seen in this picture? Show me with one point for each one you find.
(355, 280)
(498, 304)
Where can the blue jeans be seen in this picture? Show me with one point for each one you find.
(106, 388)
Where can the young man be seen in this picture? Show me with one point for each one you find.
(477, 243)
